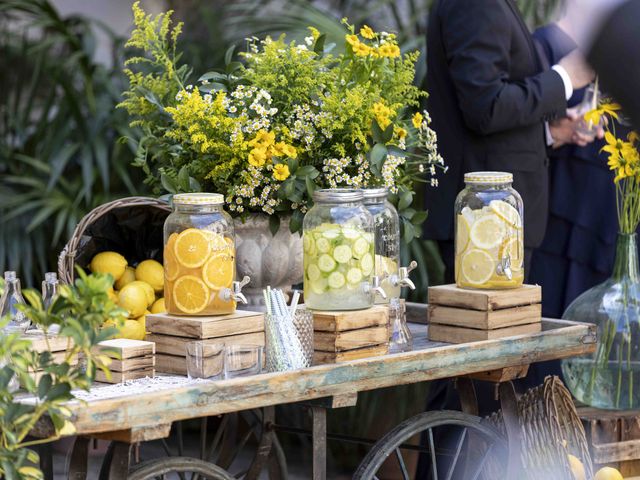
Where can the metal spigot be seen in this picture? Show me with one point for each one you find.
(402, 279)
(235, 292)
(374, 287)
(504, 267)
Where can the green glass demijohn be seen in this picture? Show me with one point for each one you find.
(610, 377)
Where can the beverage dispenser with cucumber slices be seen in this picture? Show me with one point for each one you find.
(339, 252)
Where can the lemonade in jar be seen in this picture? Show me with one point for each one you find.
(199, 256)
(489, 240)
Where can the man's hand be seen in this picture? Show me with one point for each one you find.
(576, 67)
(566, 130)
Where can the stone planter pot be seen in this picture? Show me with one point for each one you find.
(269, 260)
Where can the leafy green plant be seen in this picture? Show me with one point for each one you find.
(59, 150)
(80, 310)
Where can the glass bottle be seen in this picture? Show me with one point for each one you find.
(401, 338)
(199, 257)
(339, 252)
(489, 238)
(49, 292)
(11, 297)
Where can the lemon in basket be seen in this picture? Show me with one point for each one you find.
(608, 473)
(127, 277)
(148, 291)
(577, 468)
(151, 272)
(133, 298)
(132, 329)
(109, 262)
(159, 306)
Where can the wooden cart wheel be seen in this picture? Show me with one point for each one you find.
(175, 467)
(473, 451)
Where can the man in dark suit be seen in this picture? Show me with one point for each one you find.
(495, 105)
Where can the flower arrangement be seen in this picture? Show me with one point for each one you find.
(281, 121)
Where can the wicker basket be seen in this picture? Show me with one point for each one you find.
(551, 429)
(130, 207)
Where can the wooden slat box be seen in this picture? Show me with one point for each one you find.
(343, 336)
(457, 315)
(132, 359)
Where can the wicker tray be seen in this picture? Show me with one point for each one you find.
(125, 210)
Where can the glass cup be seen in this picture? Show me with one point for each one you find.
(589, 102)
(205, 360)
(242, 360)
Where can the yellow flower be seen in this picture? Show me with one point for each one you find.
(633, 137)
(314, 33)
(623, 157)
(383, 114)
(281, 172)
(593, 116)
(389, 50)
(263, 139)
(367, 32)
(361, 50)
(289, 151)
(352, 39)
(400, 132)
(257, 157)
(417, 119)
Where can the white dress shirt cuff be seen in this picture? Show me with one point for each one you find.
(568, 86)
(547, 133)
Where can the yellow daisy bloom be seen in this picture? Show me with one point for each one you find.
(623, 157)
(633, 138)
(352, 39)
(289, 151)
(257, 157)
(593, 116)
(417, 119)
(400, 132)
(263, 139)
(281, 172)
(367, 32)
(314, 33)
(361, 50)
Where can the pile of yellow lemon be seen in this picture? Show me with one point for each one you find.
(605, 473)
(134, 290)
(198, 264)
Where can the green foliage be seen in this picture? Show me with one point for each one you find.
(80, 310)
(59, 154)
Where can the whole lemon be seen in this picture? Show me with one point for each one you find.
(158, 306)
(109, 262)
(127, 277)
(143, 319)
(577, 468)
(134, 299)
(148, 290)
(608, 473)
(133, 330)
(112, 295)
(151, 272)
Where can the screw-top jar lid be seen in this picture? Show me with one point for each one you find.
(198, 199)
(488, 178)
(375, 193)
(338, 195)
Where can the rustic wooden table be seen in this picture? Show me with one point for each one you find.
(130, 419)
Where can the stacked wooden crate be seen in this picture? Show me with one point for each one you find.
(171, 333)
(131, 359)
(56, 346)
(342, 336)
(459, 315)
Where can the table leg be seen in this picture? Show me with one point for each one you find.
(115, 465)
(467, 394)
(265, 445)
(509, 405)
(319, 432)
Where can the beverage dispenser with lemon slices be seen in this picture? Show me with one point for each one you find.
(199, 257)
(489, 240)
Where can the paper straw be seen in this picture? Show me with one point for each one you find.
(294, 302)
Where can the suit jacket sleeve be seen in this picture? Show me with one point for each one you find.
(616, 57)
(477, 44)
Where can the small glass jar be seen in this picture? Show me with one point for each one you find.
(339, 255)
(387, 239)
(199, 256)
(489, 239)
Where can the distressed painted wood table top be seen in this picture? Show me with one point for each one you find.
(154, 412)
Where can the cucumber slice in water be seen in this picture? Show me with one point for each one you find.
(367, 264)
(342, 253)
(326, 263)
(361, 246)
(319, 286)
(354, 275)
(350, 233)
(323, 245)
(313, 272)
(336, 280)
(307, 243)
(331, 234)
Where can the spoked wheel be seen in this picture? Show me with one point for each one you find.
(179, 468)
(456, 446)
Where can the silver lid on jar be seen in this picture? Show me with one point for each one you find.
(338, 195)
(375, 193)
(488, 178)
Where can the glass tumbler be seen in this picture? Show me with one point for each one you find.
(242, 360)
(205, 360)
